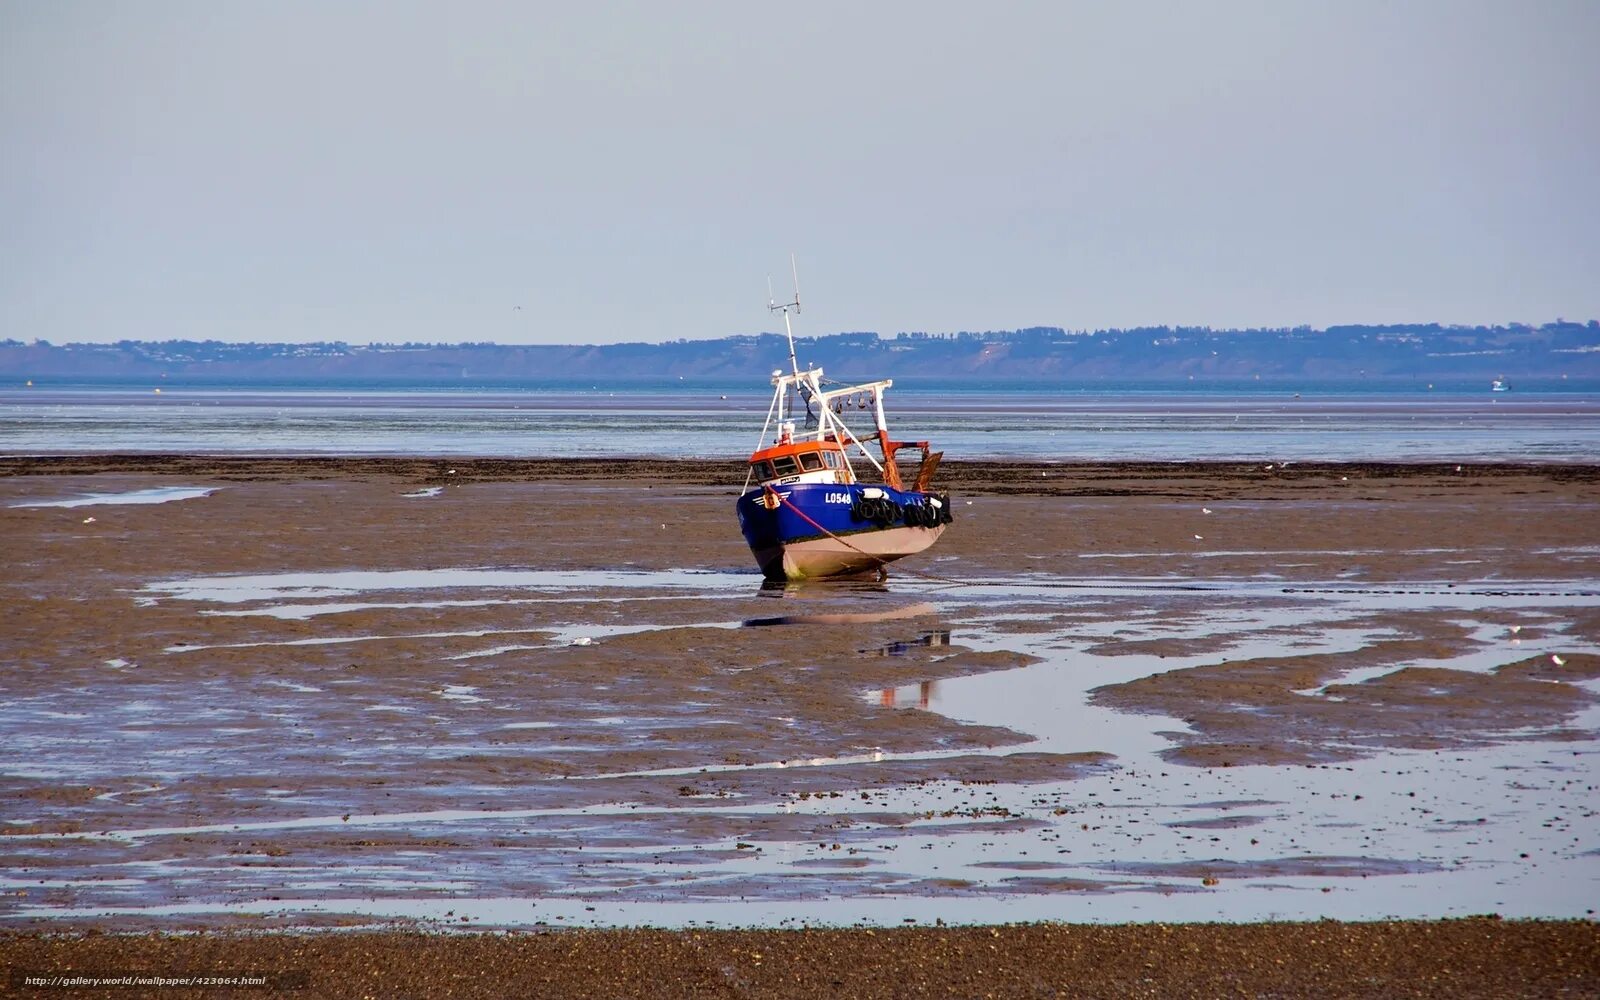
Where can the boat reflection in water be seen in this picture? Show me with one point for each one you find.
(908, 696)
(939, 637)
(918, 695)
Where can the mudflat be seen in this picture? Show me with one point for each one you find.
(554, 695)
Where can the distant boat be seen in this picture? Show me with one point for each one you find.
(804, 511)
(1498, 385)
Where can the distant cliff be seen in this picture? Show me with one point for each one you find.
(1412, 352)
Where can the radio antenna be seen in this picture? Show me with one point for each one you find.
(772, 305)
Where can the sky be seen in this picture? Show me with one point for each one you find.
(541, 172)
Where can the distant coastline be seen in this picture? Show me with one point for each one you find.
(1408, 352)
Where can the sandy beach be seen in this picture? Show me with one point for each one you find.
(552, 700)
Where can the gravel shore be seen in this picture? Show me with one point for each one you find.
(1454, 959)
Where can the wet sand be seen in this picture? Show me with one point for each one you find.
(524, 694)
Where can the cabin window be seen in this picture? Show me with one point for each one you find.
(832, 458)
(761, 470)
(810, 461)
(785, 465)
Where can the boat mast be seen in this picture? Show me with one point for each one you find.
(772, 306)
(788, 409)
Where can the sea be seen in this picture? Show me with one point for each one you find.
(1550, 420)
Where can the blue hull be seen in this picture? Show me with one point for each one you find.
(823, 529)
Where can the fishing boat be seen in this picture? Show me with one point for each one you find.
(805, 510)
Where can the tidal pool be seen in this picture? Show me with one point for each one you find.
(154, 495)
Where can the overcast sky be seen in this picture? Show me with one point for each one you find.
(419, 171)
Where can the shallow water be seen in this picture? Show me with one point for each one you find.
(1503, 822)
(159, 494)
(270, 587)
(712, 422)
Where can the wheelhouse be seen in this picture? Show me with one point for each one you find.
(801, 462)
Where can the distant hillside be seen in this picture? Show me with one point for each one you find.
(1419, 351)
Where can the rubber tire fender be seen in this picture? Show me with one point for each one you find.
(884, 513)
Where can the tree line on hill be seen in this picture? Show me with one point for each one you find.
(1404, 351)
